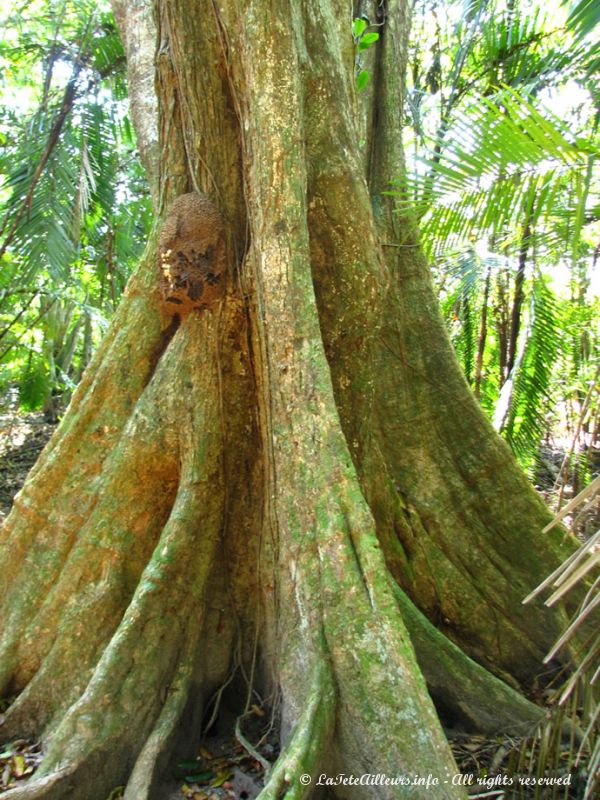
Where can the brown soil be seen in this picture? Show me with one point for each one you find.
(22, 438)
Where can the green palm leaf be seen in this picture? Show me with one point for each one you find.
(526, 421)
(502, 158)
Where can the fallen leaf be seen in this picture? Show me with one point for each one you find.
(221, 779)
(18, 766)
(116, 793)
(200, 777)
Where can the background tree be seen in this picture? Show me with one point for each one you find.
(273, 467)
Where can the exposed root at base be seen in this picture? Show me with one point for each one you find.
(309, 742)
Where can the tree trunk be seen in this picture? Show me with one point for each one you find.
(273, 466)
(481, 339)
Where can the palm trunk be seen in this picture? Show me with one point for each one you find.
(481, 341)
(517, 306)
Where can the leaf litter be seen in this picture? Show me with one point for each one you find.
(18, 760)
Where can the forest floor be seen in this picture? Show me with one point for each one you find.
(223, 770)
(22, 438)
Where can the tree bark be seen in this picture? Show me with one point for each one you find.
(284, 475)
(138, 33)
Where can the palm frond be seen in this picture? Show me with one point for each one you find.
(502, 159)
(526, 422)
(74, 207)
(584, 16)
(578, 696)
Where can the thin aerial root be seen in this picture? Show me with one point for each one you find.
(291, 777)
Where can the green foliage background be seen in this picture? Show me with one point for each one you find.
(502, 138)
(75, 210)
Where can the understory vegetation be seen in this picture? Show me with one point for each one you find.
(75, 211)
(503, 142)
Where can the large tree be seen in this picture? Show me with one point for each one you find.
(273, 471)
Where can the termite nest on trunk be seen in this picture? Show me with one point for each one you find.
(191, 255)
